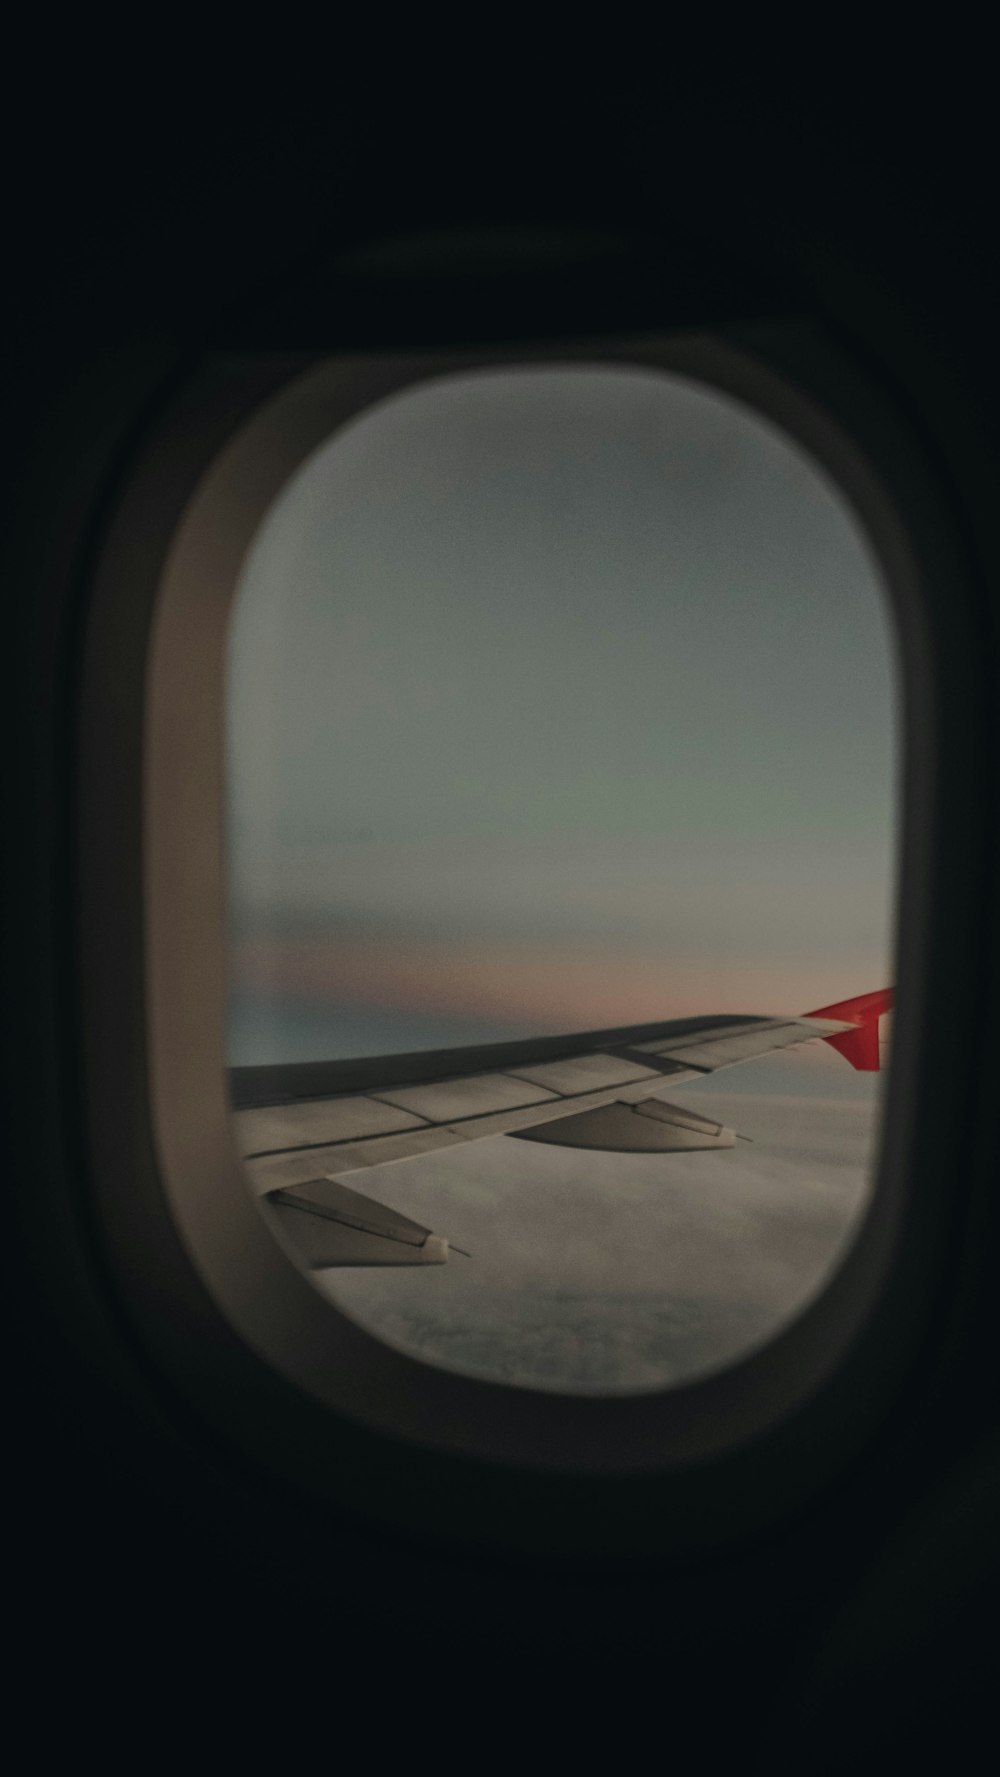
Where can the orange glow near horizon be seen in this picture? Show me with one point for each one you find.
(517, 984)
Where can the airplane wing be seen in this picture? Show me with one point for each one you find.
(301, 1127)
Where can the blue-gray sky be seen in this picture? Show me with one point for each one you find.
(559, 697)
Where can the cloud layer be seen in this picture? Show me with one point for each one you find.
(612, 1274)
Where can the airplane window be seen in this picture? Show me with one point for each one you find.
(561, 835)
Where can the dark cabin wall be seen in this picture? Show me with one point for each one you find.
(148, 222)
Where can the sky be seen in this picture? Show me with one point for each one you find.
(563, 697)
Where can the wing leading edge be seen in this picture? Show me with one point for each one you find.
(583, 1091)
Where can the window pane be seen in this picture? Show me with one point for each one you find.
(563, 698)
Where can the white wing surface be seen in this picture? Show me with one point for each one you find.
(597, 1090)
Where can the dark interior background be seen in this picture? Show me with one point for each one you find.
(149, 217)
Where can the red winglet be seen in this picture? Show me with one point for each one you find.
(860, 1046)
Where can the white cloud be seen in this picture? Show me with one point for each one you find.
(615, 1274)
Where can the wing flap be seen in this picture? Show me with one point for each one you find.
(451, 1101)
(317, 1121)
(368, 1131)
(271, 1172)
(586, 1073)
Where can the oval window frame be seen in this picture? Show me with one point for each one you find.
(207, 476)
